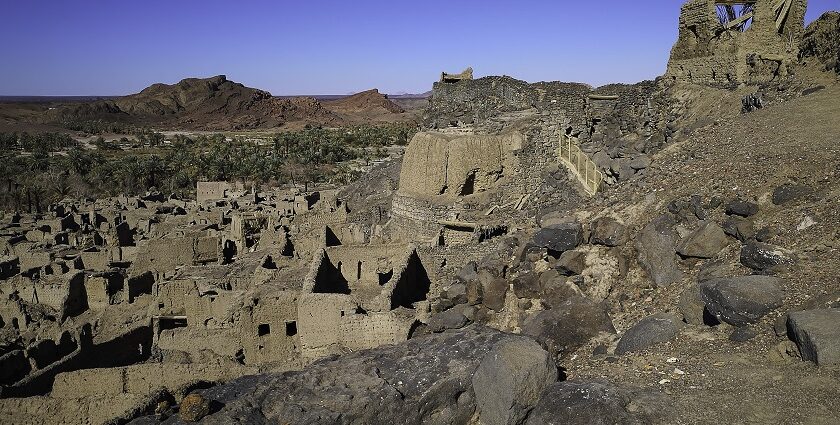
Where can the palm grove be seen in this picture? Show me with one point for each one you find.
(40, 169)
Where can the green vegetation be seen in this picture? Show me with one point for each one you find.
(41, 169)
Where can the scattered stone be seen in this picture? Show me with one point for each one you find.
(607, 231)
(527, 285)
(193, 407)
(741, 300)
(691, 306)
(742, 334)
(567, 326)
(450, 319)
(493, 293)
(559, 237)
(510, 379)
(817, 334)
(652, 330)
(656, 245)
(705, 242)
(468, 272)
(555, 289)
(790, 192)
(571, 263)
(739, 228)
(640, 162)
(765, 257)
(764, 234)
(456, 293)
(741, 208)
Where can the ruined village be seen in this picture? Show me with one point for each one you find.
(539, 253)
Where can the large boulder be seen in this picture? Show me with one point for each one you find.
(510, 379)
(765, 257)
(817, 334)
(656, 245)
(594, 403)
(652, 330)
(742, 300)
(559, 237)
(425, 380)
(568, 325)
(705, 242)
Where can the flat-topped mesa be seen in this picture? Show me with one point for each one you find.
(721, 45)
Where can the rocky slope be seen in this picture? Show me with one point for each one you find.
(822, 41)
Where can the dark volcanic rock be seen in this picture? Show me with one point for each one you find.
(790, 192)
(494, 292)
(595, 403)
(649, 331)
(571, 263)
(817, 334)
(527, 285)
(656, 244)
(568, 325)
(425, 380)
(742, 208)
(450, 319)
(607, 231)
(741, 300)
(739, 228)
(705, 242)
(510, 379)
(559, 237)
(761, 256)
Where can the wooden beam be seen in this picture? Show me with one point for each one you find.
(734, 2)
(740, 20)
(783, 14)
(459, 224)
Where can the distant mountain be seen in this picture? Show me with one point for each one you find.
(411, 95)
(214, 103)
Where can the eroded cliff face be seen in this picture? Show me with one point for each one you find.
(445, 166)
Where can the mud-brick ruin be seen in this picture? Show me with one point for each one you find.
(109, 305)
(756, 47)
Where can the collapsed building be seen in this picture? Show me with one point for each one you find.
(758, 44)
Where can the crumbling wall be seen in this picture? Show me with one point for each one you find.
(706, 52)
(364, 331)
(319, 316)
(269, 329)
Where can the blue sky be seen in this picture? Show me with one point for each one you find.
(105, 47)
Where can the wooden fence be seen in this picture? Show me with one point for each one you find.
(584, 168)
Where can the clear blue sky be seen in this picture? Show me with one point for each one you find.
(115, 47)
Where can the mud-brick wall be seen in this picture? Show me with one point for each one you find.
(269, 330)
(363, 331)
(319, 316)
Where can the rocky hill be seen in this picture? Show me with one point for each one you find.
(214, 103)
(217, 103)
(369, 100)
